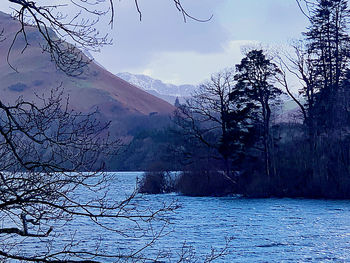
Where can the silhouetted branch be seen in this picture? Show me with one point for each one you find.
(63, 34)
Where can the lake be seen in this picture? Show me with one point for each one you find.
(262, 230)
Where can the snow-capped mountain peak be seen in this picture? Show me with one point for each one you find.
(149, 84)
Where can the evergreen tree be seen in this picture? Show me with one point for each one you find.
(177, 102)
(255, 76)
(327, 43)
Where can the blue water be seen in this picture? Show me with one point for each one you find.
(262, 230)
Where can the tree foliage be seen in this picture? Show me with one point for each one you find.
(256, 76)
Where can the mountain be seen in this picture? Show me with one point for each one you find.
(156, 87)
(117, 100)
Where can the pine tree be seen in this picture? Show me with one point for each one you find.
(177, 102)
(327, 43)
(255, 77)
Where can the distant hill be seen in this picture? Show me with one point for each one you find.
(119, 101)
(156, 87)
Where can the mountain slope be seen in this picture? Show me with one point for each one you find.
(96, 87)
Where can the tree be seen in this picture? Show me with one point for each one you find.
(321, 63)
(177, 102)
(43, 148)
(328, 43)
(217, 117)
(326, 51)
(50, 153)
(256, 76)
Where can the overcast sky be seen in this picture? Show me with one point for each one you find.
(164, 47)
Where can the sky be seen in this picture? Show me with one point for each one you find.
(165, 47)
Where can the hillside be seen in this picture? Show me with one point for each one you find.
(117, 99)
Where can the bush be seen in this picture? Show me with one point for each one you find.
(152, 183)
(157, 182)
(204, 183)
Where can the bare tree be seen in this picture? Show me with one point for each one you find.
(217, 116)
(43, 148)
(52, 160)
(300, 66)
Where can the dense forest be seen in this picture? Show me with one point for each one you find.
(230, 137)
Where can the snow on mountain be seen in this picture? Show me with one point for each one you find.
(170, 92)
(156, 87)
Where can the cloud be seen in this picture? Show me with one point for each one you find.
(268, 21)
(191, 67)
(162, 31)
(162, 27)
(165, 47)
